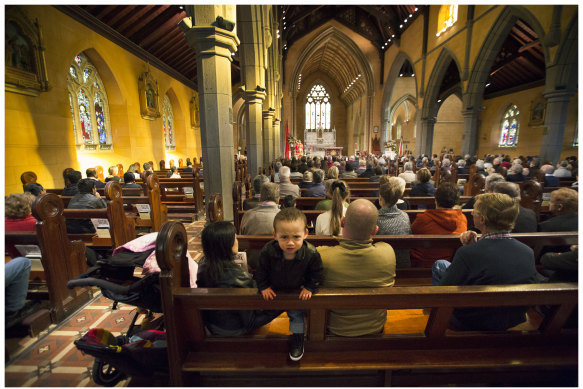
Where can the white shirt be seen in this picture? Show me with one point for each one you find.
(323, 223)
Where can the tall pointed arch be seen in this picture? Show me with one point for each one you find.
(474, 93)
(389, 83)
(89, 106)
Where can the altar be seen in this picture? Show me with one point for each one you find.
(333, 151)
(321, 142)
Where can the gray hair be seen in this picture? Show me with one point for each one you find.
(284, 172)
(516, 168)
(509, 188)
(408, 166)
(492, 179)
(461, 163)
(446, 162)
(277, 166)
(480, 164)
(318, 176)
(547, 169)
(258, 182)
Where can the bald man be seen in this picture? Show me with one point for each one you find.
(357, 263)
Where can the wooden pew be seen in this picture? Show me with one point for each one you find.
(429, 202)
(535, 240)
(499, 357)
(312, 215)
(62, 259)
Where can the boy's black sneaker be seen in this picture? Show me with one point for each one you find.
(296, 349)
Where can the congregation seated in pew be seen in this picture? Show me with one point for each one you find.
(329, 222)
(392, 220)
(87, 198)
(71, 189)
(495, 259)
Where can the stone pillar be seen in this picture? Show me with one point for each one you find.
(252, 59)
(213, 47)
(555, 119)
(470, 136)
(424, 144)
(268, 136)
(254, 106)
(276, 139)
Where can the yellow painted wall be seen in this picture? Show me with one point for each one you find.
(39, 130)
(449, 127)
(529, 137)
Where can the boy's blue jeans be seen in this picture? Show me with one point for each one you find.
(296, 322)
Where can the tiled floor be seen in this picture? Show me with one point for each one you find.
(51, 359)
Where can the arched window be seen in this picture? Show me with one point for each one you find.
(446, 17)
(318, 109)
(89, 106)
(168, 123)
(509, 127)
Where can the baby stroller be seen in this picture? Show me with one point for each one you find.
(118, 357)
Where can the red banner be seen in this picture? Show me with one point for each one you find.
(401, 147)
(287, 150)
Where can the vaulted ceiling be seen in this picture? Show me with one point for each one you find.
(151, 32)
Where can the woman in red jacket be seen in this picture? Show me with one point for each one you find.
(18, 216)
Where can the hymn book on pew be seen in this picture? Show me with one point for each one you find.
(102, 227)
(32, 252)
(144, 211)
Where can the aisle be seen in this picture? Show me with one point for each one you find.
(51, 358)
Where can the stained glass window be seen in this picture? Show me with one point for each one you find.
(89, 106)
(85, 116)
(100, 119)
(86, 74)
(509, 127)
(318, 109)
(168, 123)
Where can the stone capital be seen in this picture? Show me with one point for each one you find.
(208, 41)
(253, 96)
(470, 112)
(558, 96)
(269, 114)
(428, 120)
(276, 121)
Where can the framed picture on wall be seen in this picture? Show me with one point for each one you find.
(537, 112)
(148, 90)
(375, 129)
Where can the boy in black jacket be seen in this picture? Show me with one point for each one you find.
(288, 263)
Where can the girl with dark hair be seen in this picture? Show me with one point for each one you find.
(328, 223)
(218, 269)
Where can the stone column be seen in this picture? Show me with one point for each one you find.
(250, 27)
(254, 106)
(268, 136)
(276, 139)
(213, 47)
(424, 144)
(470, 136)
(555, 119)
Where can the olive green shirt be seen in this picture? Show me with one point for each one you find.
(357, 264)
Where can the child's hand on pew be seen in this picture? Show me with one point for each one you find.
(268, 294)
(305, 294)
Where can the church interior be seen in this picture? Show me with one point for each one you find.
(102, 85)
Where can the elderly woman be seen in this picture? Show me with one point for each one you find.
(18, 216)
(112, 170)
(461, 167)
(307, 180)
(408, 174)
(515, 174)
(392, 220)
(423, 188)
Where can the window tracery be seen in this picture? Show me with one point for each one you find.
(89, 107)
(509, 127)
(318, 109)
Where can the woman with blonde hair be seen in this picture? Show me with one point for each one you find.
(328, 223)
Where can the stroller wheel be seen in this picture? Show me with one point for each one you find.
(105, 374)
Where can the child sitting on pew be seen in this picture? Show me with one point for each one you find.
(288, 263)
